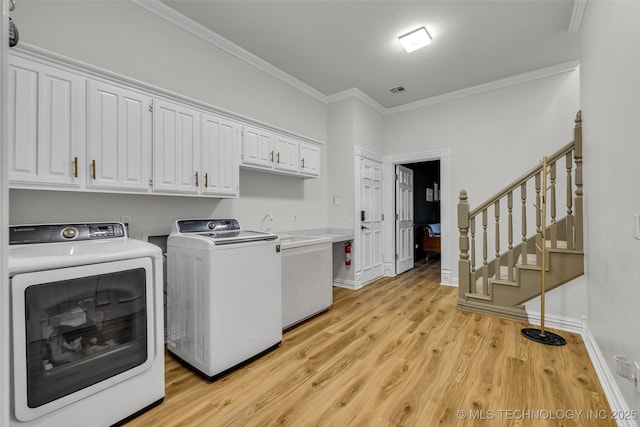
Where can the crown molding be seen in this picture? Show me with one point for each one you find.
(187, 24)
(354, 92)
(575, 23)
(486, 87)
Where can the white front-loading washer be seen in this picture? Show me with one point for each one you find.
(224, 290)
(87, 325)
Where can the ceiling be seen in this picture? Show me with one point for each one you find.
(334, 46)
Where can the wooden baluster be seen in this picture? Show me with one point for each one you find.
(464, 270)
(485, 253)
(539, 241)
(510, 236)
(473, 255)
(577, 141)
(569, 233)
(552, 192)
(496, 262)
(524, 249)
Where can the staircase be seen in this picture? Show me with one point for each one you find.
(498, 283)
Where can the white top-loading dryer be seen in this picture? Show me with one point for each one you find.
(224, 303)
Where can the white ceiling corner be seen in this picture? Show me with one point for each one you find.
(171, 15)
(291, 41)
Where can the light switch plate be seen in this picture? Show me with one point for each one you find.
(636, 226)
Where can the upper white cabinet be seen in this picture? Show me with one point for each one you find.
(270, 151)
(309, 159)
(219, 161)
(286, 154)
(119, 144)
(257, 147)
(76, 129)
(47, 119)
(176, 148)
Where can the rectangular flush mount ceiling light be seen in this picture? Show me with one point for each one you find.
(415, 39)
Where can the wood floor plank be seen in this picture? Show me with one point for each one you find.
(394, 353)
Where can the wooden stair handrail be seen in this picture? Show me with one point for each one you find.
(518, 182)
(503, 267)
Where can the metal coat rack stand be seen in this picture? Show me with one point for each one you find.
(540, 335)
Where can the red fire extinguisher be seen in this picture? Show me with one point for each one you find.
(347, 254)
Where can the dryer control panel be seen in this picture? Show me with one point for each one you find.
(52, 233)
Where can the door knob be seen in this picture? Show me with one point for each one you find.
(362, 227)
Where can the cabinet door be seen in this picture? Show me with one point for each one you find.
(257, 147)
(176, 148)
(46, 124)
(287, 154)
(119, 149)
(220, 168)
(309, 159)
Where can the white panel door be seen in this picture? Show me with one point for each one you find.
(370, 233)
(219, 166)
(257, 147)
(46, 124)
(404, 219)
(119, 149)
(176, 148)
(309, 159)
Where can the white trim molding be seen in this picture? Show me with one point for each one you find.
(354, 92)
(607, 380)
(444, 155)
(486, 87)
(577, 14)
(189, 25)
(169, 14)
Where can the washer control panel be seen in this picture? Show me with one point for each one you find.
(207, 225)
(52, 233)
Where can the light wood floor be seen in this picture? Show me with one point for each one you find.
(395, 353)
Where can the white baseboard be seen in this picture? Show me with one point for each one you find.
(609, 385)
(607, 381)
(557, 322)
(347, 284)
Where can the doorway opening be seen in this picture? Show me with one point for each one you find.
(426, 209)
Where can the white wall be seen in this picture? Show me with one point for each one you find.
(521, 123)
(611, 112)
(368, 127)
(340, 143)
(122, 37)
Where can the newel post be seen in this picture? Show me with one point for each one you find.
(464, 267)
(577, 156)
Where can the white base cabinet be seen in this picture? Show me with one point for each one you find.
(307, 286)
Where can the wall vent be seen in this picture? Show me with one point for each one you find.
(397, 89)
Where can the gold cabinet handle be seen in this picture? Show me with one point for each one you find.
(206, 180)
(196, 179)
(271, 156)
(93, 169)
(303, 163)
(75, 167)
(278, 157)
